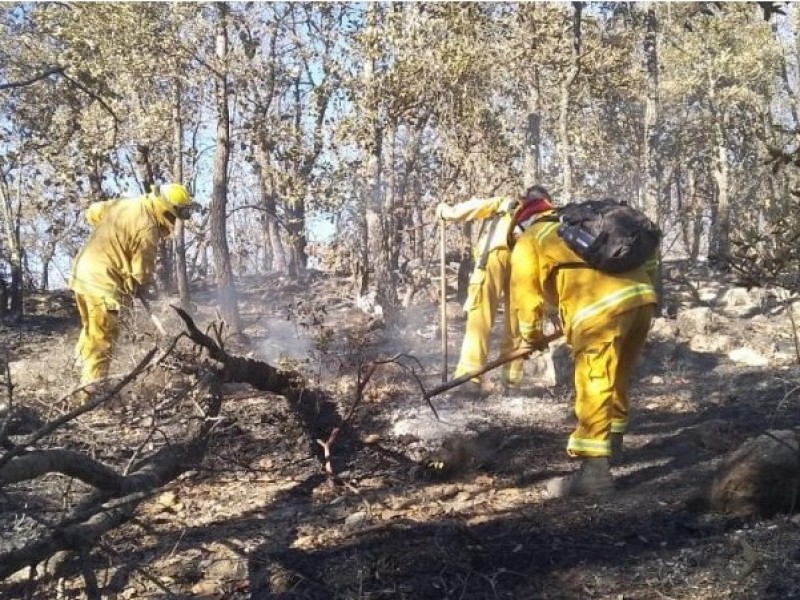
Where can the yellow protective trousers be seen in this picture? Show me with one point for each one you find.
(99, 330)
(605, 359)
(487, 287)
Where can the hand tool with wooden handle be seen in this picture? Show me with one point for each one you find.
(492, 364)
(156, 321)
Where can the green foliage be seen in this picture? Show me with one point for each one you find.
(449, 100)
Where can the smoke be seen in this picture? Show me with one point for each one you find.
(285, 340)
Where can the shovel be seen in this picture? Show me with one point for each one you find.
(492, 364)
(156, 321)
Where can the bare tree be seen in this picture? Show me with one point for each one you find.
(566, 89)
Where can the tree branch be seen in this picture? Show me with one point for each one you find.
(97, 516)
(94, 96)
(32, 80)
(67, 462)
(51, 426)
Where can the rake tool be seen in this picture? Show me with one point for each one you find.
(492, 364)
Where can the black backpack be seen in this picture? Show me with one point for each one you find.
(609, 235)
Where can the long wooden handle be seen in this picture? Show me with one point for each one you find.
(156, 321)
(492, 364)
(443, 293)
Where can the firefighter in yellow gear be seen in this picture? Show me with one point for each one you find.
(605, 319)
(116, 263)
(488, 284)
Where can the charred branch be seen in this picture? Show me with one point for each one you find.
(110, 509)
(67, 462)
(260, 375)
(319, 415)
(51, 426)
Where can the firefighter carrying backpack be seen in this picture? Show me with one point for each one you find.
(609, 235)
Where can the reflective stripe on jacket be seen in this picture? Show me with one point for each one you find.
(585, 297)
(120, 254)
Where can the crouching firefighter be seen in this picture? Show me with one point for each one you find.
(489, 282)
(605, 318)
(116, 264)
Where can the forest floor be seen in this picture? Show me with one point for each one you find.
(259, 518)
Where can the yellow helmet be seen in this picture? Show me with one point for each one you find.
(176, 194)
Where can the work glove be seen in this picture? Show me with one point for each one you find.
(441, 210)
(535, 345)
(508, 205)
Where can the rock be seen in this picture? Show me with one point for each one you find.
(714, 344)
(760, 478)
(748, 356)
(355, 520)
(695, 321)
(709, 293)
(663, 328)
(738, 297)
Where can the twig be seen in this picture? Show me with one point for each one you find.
(396, 359)
(94, 96)
(32, 80)
(327, 444)
(151, 475)
(169, 348)
(151, 578)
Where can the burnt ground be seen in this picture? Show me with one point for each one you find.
(258, 518)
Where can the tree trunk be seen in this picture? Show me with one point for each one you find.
(719, 248)
(566, 85)
(295, 223)
(179, 238)
(10, 219)
(652, 183)
(651, 204)
(147, 182)
(697, 219)
(369, 186)
(47, 258)
(226, 290)
(274, 254)
(791, 97)
(533, 132)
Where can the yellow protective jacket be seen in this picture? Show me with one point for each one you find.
(585, 297)
(479, 208)
(97, 212)
(120, 255)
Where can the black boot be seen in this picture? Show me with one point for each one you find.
(593, 478)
